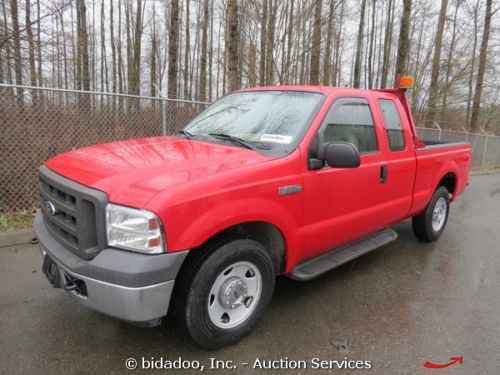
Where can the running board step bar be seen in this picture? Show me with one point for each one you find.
(336, 257)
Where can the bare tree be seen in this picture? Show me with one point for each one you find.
(263, 44)
(203, 58)
(113, 49)
(472, 65)
(403, 42)
(449, 61)
(31, 49)
(273, 6)
(82, 42)
(153, 57)
(18, 68)
(232, 44)
(185, 71)
(316, 44)
(476, 104)
(359, 46)
(436, 64)
(135, 68)
(370, 50)
(327, 61)
(173, 42)
(389, 24)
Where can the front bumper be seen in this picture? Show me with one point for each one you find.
(126, 285)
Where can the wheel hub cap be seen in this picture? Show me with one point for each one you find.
(439, 214)
(234, 295)
(233, 292)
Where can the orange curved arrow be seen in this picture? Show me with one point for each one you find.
(453, 360)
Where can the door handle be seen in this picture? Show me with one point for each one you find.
(383, 174)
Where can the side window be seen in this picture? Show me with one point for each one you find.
(393, 125)
(350, 120)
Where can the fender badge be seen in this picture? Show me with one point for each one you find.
(290, 189)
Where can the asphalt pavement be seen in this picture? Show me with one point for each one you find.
(393, 309)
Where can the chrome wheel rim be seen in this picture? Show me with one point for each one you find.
(439, 214)
(234, 295)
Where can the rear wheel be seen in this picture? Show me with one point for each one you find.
(429, 224)
(225, 292)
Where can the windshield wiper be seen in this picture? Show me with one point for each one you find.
(233, 139)
(185, 133)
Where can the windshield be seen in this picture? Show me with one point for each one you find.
(265, 120)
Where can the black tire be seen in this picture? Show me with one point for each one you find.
(422, 223)
(194, 290)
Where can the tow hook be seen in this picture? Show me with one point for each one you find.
(71, 284)
(75, 285)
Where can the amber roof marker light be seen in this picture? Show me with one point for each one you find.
(404, 82)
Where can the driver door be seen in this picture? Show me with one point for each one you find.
(342, 205)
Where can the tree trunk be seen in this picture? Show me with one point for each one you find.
(316, 44)
(263, 39)
(449, 62)
(327, 62)
(82, 41)
(387, 43)
(203, 58)
(483, 52)
(211, 51)
(336, 71)
(113, 49)
(232, 44)
(359, 46)
(289, 43)
(270, 42)
(135, 78)
(185, 71)
(18, 67)
(173, 42)
(31, 49)
(436, 65)
(252, 62)
(370, 51)
(403, 42)
(39, 42)
(153, 57)
(472, 66)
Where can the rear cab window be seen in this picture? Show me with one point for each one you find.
(393, 124)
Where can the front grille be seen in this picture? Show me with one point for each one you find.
(73, 213)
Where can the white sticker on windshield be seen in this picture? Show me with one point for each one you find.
(276, 138)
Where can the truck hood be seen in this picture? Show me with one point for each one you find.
(132, 172)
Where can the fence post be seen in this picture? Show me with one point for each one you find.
(163, 110)
(485, 135)
(164, 116)
(440, 130)
(466, 134)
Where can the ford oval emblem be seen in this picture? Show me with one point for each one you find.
(51, 209)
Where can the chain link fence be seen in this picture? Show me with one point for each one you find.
(38, 123)
(485, 148)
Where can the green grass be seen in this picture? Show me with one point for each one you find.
(22, 219)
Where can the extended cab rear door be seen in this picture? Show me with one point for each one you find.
(399, 155)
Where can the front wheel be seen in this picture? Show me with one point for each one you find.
(429, 224)
(226, 292)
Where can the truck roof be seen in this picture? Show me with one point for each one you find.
(310, 88)
(319, 89)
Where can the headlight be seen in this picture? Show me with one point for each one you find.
(133, 229)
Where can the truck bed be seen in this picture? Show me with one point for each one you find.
(437, 159)
(432, 143)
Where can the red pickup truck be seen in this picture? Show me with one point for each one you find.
(285, 180)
